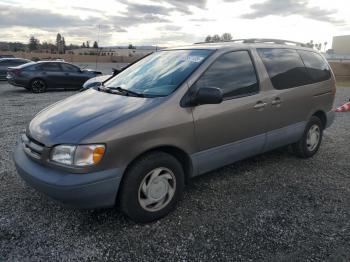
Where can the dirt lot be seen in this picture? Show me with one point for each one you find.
(273, 207)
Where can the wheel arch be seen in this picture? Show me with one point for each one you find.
(182, 156)
(322, 116)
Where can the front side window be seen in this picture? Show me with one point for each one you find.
(316, 66)
(69, 68)
(161, 73)
(285, 67)
(233, 73)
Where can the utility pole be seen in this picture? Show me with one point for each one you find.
(98, 43)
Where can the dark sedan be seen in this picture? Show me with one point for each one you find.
(43, 75)
(8, 62)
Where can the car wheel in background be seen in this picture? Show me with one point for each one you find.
(309, 144)
(151, 188)
(38, 86)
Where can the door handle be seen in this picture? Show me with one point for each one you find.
(259, 105)
(277, 101)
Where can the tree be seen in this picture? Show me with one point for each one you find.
(87, 44)
(216, 38)
(33, 43)
(58, 39)
(63, 45)
(226, 37)
(130, 46)
(95, 44)
(83, 45)
(319, 46)
(311, 44)
(208, 39)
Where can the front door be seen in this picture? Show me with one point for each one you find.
(236, 128)
(73, 76)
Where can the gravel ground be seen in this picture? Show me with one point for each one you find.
(273, 207)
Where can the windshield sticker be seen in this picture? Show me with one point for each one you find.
(192, 58)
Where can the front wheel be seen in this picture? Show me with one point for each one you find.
(152, 186)
(38, 86)
(311, 140)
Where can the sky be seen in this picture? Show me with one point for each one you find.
(172, 22)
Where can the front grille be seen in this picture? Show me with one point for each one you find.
(32, 147)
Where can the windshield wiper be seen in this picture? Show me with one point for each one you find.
(122, 90)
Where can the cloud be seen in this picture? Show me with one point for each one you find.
(183, 6)
(141, 9)
(291, 7)
(170, 28)
(37, 18)
(127, 21)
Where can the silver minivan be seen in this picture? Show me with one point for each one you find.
(135, 140)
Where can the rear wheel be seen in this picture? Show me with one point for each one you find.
(311, 140)
(152, 186)
(38, 86)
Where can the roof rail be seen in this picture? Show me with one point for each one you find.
(261, 40)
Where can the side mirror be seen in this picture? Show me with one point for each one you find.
(203, 96)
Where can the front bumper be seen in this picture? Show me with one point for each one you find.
(92, 190)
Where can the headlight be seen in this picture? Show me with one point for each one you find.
(81, 155)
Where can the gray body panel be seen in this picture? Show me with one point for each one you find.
(210, 136)
(58, 78)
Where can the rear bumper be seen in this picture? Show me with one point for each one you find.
(330, 118)
(13, 82)
(92, 190)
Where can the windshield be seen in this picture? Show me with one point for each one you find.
(160, 73)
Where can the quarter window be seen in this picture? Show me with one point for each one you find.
(316, 66)
(233, 73)
(285, 67)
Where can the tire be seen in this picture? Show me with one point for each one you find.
(38, 86)
(307, 146)
(138, 192)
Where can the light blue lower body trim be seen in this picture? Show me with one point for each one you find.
(284, 136)
(213, 158)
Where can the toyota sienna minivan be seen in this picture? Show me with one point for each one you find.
(136, 139)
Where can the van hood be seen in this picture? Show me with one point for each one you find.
(72, 119)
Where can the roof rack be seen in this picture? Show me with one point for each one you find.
(260, 40)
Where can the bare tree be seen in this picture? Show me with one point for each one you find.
(226, 37)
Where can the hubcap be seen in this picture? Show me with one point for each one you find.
(313, 137)
(157, 189)
(38, 86)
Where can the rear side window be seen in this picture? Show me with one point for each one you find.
(17, 62)
(233, 73)
(50, 67)
(316, 66)
(285, 67)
